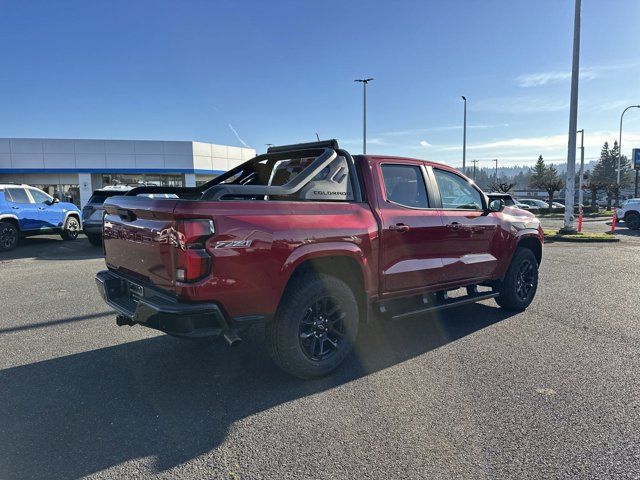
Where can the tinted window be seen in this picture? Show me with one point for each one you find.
(456, 192)
(18, 195)
(39, 197)
(404, 185)
(100, 197)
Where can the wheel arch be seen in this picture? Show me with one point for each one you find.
(75, 214)
(346, 264)
(12, 219)
(532, 243)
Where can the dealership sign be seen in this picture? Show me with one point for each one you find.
(636, 158)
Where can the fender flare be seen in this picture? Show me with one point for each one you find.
(4, 216)
(76, 214)
(324, 250)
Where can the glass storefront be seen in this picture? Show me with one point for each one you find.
(142, 179)
(64, 193)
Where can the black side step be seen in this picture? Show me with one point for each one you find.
(446, 303)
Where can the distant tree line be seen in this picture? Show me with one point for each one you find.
(602, 178)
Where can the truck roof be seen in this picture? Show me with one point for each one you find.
(431, 163)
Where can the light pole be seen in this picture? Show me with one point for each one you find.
(581, 180)
(496, 160)
(364, 82)
(464, 138)
(475, 162)
(573, 127)
(620, 141)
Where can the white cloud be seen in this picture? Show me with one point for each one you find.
(544, 78)
(424, 143)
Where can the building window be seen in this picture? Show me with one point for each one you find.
(142, 179)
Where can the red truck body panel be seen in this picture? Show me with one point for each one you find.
(280, 235)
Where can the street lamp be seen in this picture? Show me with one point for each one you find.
(620, 139)
(364, 82)
(573, 126)
(464, 138)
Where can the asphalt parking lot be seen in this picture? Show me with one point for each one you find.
(475, 392)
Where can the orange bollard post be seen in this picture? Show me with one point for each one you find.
(580, 222)
(614, 220)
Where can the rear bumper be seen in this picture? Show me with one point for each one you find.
(138, 304)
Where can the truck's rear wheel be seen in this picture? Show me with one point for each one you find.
(315, 326)
(518, 288)
(632, 220)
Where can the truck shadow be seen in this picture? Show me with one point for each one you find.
(175, 400)
(52, 247)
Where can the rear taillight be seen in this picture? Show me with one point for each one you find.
(193, 263)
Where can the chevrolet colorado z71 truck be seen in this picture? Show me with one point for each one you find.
(311, 241)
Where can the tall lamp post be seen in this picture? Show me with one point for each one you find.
(620, 145)
(464, 138)
(364, 82)
(573, 127)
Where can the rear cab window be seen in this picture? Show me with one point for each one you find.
(404, 185)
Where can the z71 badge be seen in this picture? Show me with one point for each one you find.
(234, 244)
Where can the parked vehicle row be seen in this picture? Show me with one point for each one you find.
(27, 211)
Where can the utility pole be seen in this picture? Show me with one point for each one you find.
(475, 162)
(573, 127)
(464, 138)
(581, 180)
(364, 82)
(496, 160)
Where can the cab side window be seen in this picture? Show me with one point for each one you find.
(404, 185)
(456, 193)
(39, 197)
(17, 195)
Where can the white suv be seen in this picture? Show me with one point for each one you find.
(629, 211)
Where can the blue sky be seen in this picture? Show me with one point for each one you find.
(278, 72)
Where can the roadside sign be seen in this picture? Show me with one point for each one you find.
(636, 158)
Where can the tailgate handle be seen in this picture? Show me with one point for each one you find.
(126, 215)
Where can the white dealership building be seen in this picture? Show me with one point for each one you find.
(71, 169)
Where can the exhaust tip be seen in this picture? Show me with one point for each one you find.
(232, 339)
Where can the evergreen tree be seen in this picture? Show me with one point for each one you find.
(545, 178)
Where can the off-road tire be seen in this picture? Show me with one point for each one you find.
(513, 294)
(285, 334)
(9, 236)
(632, 220)
(94, 239)
(71, 228)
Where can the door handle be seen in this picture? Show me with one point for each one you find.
(16, 208)
(454, 226)
(399, 227)
(40, 208)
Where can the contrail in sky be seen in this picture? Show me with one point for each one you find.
(238, 136)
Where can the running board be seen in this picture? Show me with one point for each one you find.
(447, 303)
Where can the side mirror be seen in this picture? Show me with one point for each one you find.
(52, 202)
(496, 205)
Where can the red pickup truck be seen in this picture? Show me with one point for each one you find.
(311, 241)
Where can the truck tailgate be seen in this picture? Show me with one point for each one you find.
(137, 238)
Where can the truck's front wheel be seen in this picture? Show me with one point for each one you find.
(520, 283)
(315, 326)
